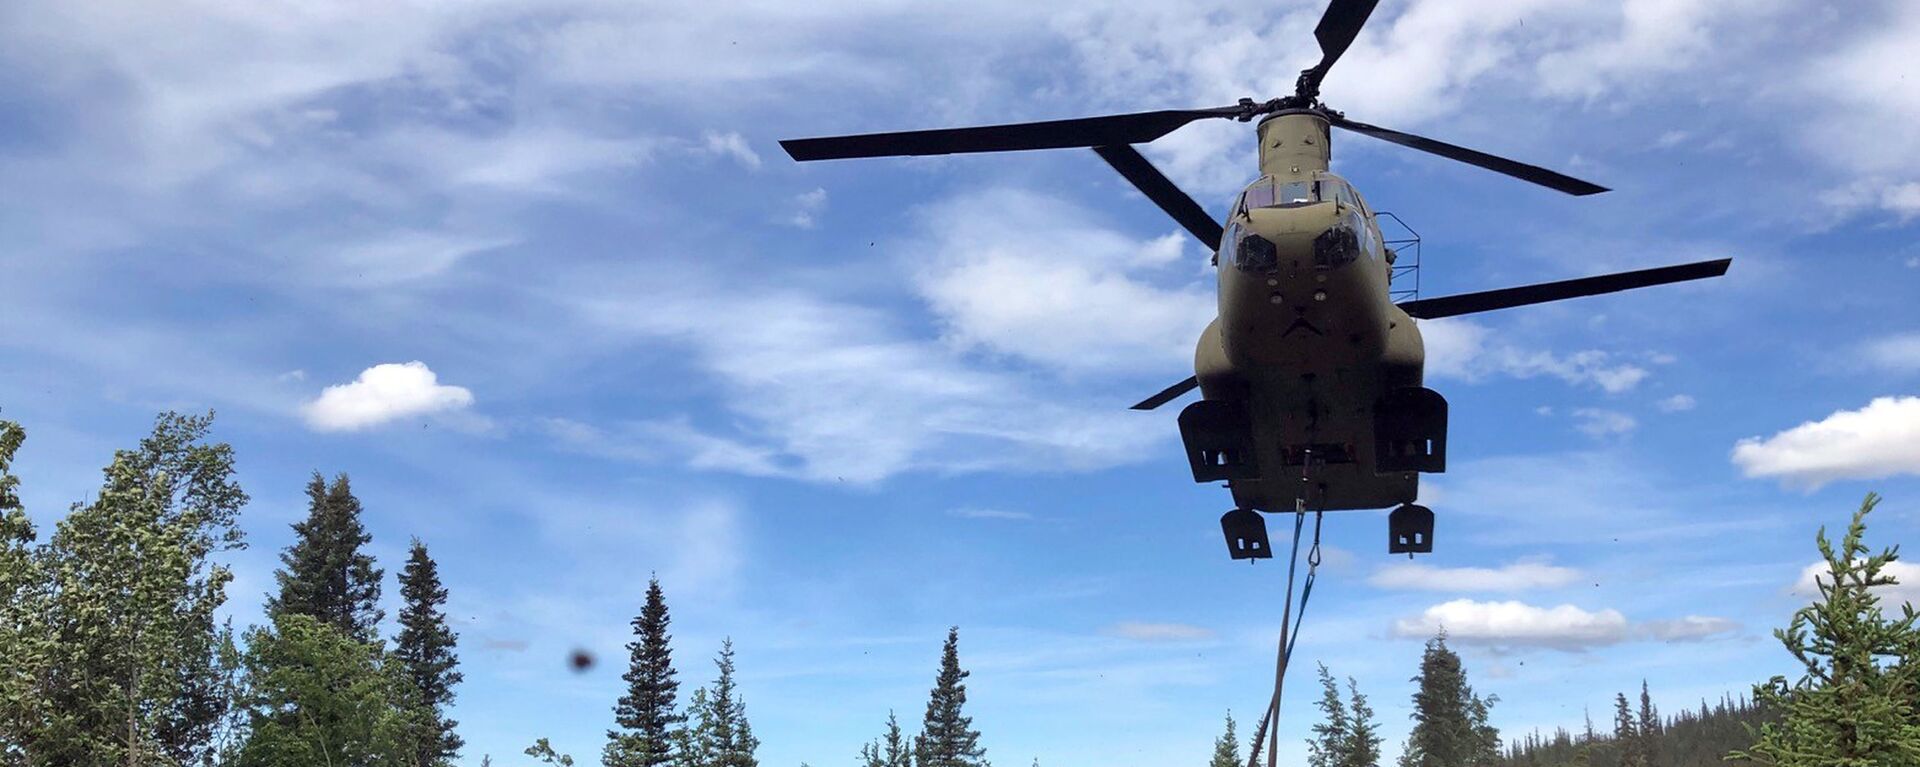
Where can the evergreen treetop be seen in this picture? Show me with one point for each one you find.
(1858, 702)
(424, 650)
(1226, 748)
(325, 573)
(947, 737)
(1329, 745)
(645, 715)
(1451, 727)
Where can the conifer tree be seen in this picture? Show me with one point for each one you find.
(1226, 748)
(133, 667)
(424, 650)
(1451, 726)
(693, 739)
(947, 737)
(1648, 726)
(890, 750)
(722, 736)
(1363, 735)
(324, 573)
(1330, 742)
(1858, 703)
(645, 715)
(1626, 734)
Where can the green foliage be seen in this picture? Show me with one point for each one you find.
(124, 653)
(1690, 738)
(1450, 722)
(543, 751)
(1626, 734)
(424, 652)
(645, 714)
(1328, 747)
(1226, 748)
(947, 737)
(1363, 734)
(23, 597)
(891, 750)
(316, 696)
(718, 734)
(1858, 703)
(1348, 736)
(324, 573)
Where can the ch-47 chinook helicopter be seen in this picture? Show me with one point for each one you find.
(1311, 376)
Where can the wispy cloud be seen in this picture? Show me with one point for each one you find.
(979, 513)
(1464, 349)
(1159, 632)
(1518, 576)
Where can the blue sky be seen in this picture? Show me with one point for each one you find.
(537, 276)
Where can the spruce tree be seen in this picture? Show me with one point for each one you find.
(1648, 725)
(1328, 747)
(1626, 734)
(725, 737)
(890, 750)
(1226, 748)
(947, 737)
(693, 739)
(645, 715)
(1858, 702)
(1363, 735)
(424, 650)
(324, 573)
(1451, 727)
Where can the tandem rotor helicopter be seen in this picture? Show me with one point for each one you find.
(1311, 377)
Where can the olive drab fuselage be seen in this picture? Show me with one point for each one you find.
(1307, 336)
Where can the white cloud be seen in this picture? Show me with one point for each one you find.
(806, 206)
(1601, 424)
(1902, 199)
(1692, 628)
(1899, 353)
(977, 513)
(1678, 403)
(381, 394)
(402, 256)
(1879, 440)
(1906, 586)
(1519, 576)
(1159, 632)
(731, 144)
(1466, 350)
(1517, 624)
(1036, 278)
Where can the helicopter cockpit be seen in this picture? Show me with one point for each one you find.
(1268, 192)
(1357, 237)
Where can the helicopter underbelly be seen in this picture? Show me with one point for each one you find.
(1314, 395)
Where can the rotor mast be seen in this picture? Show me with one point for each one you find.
(1295, 144)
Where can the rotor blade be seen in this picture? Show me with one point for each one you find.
(1136, 128)
(1338, 27)
(1519, 170)
(1470, 303)
(1160, 189)
(1168, 394)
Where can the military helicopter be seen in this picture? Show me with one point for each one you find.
(1311, 377)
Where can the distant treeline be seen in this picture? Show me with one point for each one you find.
(1700, 737)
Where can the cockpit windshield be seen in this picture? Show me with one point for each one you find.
(1268, 193)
